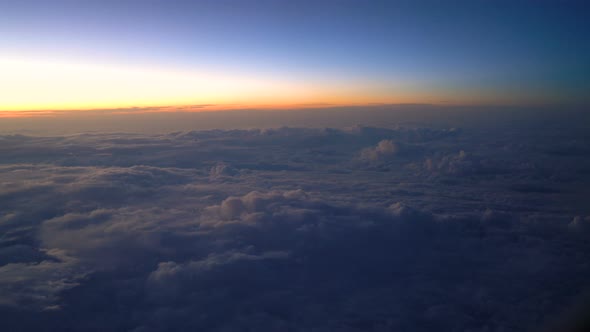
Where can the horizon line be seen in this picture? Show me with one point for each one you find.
(209, 108)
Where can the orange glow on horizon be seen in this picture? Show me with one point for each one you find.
(42, 85)
(173, 109)
(31, 87)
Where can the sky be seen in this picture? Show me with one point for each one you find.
(356, 166)
(71, 55)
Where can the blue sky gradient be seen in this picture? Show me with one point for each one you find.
(483, 51)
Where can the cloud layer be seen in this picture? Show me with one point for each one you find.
(296, 229)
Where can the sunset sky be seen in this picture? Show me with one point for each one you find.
(294, 165)
(71, 55)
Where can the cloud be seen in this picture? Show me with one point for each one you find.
(221, 170)
(580, 224)
(38, 285)
(385, 149)
(288, 229)
(455, 164)
(170, 279)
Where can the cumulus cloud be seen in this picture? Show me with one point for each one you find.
(385, 149)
